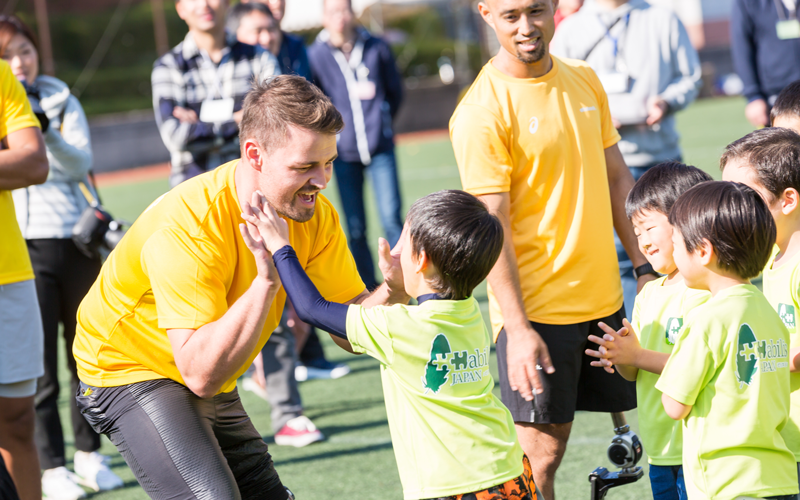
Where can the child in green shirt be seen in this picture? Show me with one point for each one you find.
(453, 439)
(658, 316)
(768, 160)
(728, 376)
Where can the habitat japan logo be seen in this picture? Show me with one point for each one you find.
(460, 367)
(751, 350)
(674, 326)
(786, 312)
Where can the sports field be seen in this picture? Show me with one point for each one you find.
(356, 462)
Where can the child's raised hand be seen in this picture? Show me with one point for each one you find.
(274, 231)
(615, 348)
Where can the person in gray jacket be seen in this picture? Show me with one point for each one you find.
(649, 69)
(46, 214)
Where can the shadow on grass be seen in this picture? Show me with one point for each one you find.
(323, 410)
(334, 454)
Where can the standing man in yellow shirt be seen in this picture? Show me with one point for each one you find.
(189, 297)
(533, 138)
(23, 162)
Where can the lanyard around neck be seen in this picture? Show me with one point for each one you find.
(615, 39)
(217, 68)
(789, 13)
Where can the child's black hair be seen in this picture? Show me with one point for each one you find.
(459, 236)
(659, 187)
(774, 155)
(787, 103)
(734, 218)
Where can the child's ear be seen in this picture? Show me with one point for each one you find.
(789, 200)
(422, 262)
(705, 252)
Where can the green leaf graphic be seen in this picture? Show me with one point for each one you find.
(437, 368)
(747, 355)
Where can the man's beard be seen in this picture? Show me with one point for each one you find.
(294, 213)
(531, 57)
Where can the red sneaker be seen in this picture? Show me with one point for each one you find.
(298, 432)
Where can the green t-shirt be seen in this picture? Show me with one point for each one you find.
(450, 434)
(782, 289)
(658, 315)
(731, 363)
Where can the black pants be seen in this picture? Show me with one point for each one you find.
(63, 277)
(7, 489)
(180, 446)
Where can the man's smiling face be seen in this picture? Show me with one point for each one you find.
(293, 174)
(524, 27)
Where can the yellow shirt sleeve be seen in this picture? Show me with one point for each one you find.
(16, 109)
(368, 332)
(690, 367)
(610, 134)
(482, 149)
(187, 279)
(332, 268)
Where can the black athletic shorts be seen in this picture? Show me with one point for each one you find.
(180, 446)
(575, 385)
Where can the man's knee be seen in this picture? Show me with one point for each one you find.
(17, 418)
(545, 444)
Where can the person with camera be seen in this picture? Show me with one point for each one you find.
(22, 163)
(47, 214)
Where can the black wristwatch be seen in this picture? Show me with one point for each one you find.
(644, 269)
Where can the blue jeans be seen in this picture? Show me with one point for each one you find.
(350, 177)
(625, 266)
(666, 481)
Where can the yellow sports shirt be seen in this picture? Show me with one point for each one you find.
(782, 290)
(542, 140)
(182, 265)
(731, 364)
(658, 315)
(15, 265)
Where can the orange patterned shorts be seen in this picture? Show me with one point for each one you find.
(519, 488)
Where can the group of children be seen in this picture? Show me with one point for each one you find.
(713, 357)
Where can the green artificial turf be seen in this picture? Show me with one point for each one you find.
(356, 462)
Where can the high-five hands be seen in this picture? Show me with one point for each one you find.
(616, 347)
(264, 220)
(389, 264)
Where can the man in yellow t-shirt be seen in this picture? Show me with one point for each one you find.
(190, 296)
(533, 138)
(23, 162)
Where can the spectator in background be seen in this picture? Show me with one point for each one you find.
(46, 216)
(690, 12)
(357, 71)
(289, 49)
(274, 377)
(23, 162)
(565, 9)
(198, 89)
(649, 69)
(765, 45)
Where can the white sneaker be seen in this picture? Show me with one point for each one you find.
(250, 384)
(92, 469)
(298, 432)
(61, 484)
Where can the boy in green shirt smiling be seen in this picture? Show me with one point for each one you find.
(768, 160)
(728, 376)
(658, 316)
(453, 439)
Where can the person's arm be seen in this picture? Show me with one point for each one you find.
(623, 350)
(24, 162)
(620, 182)
(169, 94)
(686, 75)
(209, 356)
(526, 348)
(744, 53)
(71, 144)
(675, 410)
(391, 79)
